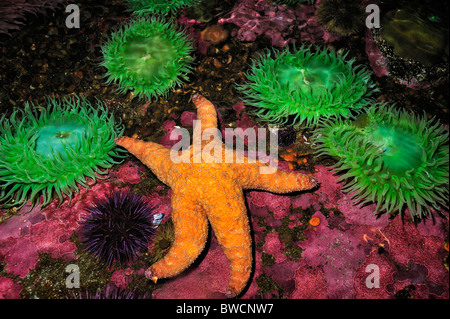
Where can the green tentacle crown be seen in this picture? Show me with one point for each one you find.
(148, 57)
(303, 86)
(390, 157)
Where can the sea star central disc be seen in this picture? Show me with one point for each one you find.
(210, 190)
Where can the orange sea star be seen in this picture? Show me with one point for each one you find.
(210, 189)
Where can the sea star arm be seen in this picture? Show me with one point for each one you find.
(206, 113)
(191, 231)
(249, 177)
(227, 215)
(153, 155)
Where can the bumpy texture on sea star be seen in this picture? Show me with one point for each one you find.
(205, 187)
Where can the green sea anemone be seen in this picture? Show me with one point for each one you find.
(305, 85)
(343, 17)
(419, 34)
(390, 157)
(48, 150)
(162, 7)
(148, 56)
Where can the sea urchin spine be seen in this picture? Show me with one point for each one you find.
(118, 227)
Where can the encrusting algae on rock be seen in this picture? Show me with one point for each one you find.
(210, 190)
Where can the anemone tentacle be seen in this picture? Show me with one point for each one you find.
(48, 150)
(306, 85)
(389, 157)
(162, 7)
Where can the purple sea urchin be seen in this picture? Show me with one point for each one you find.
(110, 292)
(390, 157)
(305, 85)
(118, 228)
(48, 150)
(162, 7)
(148, 56)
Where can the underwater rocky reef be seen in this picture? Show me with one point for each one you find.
(93, 204)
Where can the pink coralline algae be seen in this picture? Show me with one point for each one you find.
(311, 30)
(122, 278)
(169, 126)
(330, 190)
(407, 246)
(258, 17)
(243, 122)
(263, 202)
(365, 287)
(22, 257)
(203, 281)
(357, 215)
(337, 252)
(277, 22)
(50, 229)
(310, 283)
(275, 247)
(129, 173)
(208, 279)
(188, 118)
(405, 258)
(194, 33)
